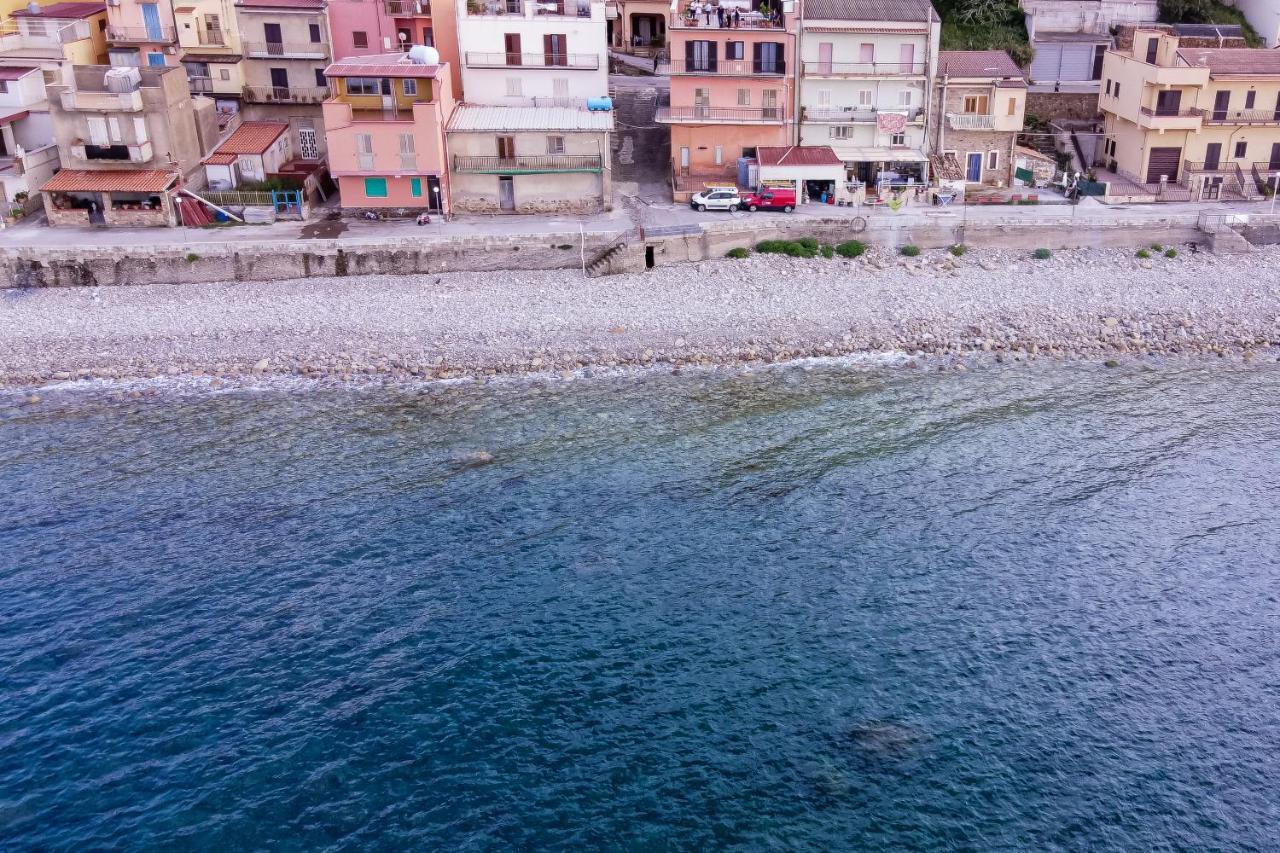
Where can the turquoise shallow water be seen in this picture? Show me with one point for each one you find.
(1019, 608)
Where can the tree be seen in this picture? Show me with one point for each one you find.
(984, 13)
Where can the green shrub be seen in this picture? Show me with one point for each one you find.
(737, 253)
(791, 248)
(800, 250)
(909, 250)
(1029, 201)
(808, 242)
(827, 251)
(772, 247)
(958, 249)
(564, 246)
(192, 257)
(1042, 254)
(1156, 247)
(1171, 253)
(1143, 253)
(851, 249)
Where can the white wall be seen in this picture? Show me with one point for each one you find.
(27, 91)
(1089, 16)
(1264, 15)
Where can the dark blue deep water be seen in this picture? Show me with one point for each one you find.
(1019, 608)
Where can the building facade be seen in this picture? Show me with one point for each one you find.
(142, 33)
(979, 101)
(385, 124)
(867, 70)
(55, 37)
(210, 50)
(286, 50)
(732, 90)
(1070, 37)
(1207, 119)
(640, 26)
(1263, 16)
(28, 154)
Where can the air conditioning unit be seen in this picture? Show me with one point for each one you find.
(113, 2)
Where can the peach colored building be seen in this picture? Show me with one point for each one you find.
(385, 126)
(731, 90)
(142, 33)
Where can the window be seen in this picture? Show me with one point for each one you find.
(864, 97)
(247, 166)
(744, 97)
(321, 80)
(719, 155)
(410, 86)
(1153, 44)
(1249, 98)
(415, 187)
(362, 85)
(841, 132)
(560, 87)
(898, 139)
(113, 129)
(1013, 106)
(1108, 88)
(904, 98)
(993, 159)
(314, 30)
(684, 158)
(359, 38)
(735, 50)
(515, 89)
(224, 73)
(4, 86)
(976, 104)
(1116, 93)
(769, 101)
(555, 144)
(364, 150)
(699, 56)
(375, 187)
(824, 97)
(408, 152)
(1241, 148)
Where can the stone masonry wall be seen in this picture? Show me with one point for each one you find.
(1050, 105)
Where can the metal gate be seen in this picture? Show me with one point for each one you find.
(1163, 161)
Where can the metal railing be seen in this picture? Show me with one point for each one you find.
(407, 8)
(533, 60)
(1157, 112)
(859, 114)
(286, 94)
(1212, 116)
(211, 38)
(1202, 167)
(537, 163)
(753, 22)
(863, 69)
(764, 67)
(200, 85)
(285, 48)
(140, 35)
(1266, 175)
(971, 121)
(762, 115)
(580, 9)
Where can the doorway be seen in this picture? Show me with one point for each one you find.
(973, 167)
(1213, 155)
(648, 257)
(506, 192)
(279, 83)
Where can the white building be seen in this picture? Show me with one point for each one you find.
(526, 53)
(1070, 37)
(867, 66)
(28, 153)
(1263, 16)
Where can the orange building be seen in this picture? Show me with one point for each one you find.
(732, 90)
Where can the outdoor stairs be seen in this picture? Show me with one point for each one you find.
(609, 258)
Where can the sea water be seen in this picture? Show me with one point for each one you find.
(824, 609)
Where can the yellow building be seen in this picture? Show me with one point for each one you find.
(1203, 119)
(209, 40)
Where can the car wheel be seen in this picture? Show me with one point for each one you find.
(733, 208)
(753, 208)
(786, 209)
(702, 208)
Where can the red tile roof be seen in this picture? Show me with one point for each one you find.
(1249, 62)
(798, 155)
(252, 137)
(978, 63)
(218, 158)
(64, 11)
(110, 181)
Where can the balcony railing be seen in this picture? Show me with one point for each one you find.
(726, 115)
(286, 94)
(825, 114)
(285, 49)
(211, 38)
(863, 69)
(750, 21)
(200, 85)
(971, 121)
(1240, 116)
(407, 8)
(1168, 113)
(1223, 167)
(525, 8)
(740, 67)
(159, 34)
(110, 102)
(589, 61)
(538, 163)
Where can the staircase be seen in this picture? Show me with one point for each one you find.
(608, 260)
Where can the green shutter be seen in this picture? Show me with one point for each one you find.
(375, 187)
(415, 187)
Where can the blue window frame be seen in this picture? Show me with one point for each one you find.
(375, 187)
(155, 59)
(415, 187)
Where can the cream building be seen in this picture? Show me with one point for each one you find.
(209, 40)
(1207, 119)
(286, 50)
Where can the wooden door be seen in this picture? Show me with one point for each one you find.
(511, 44)
(1168, 102)
(824, 57)
(506, 192)
(507, 147)
(1213, 155)
(1221, 103)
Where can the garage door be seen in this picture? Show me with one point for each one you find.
(1164, 161)
(1044, 66)
(1077, 62)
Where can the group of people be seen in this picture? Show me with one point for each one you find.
(728, 17)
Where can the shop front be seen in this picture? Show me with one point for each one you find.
(814, 171)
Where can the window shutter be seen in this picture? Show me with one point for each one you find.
(757, 57)
(711, 55)
(688, 60)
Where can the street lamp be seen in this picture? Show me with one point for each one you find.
(436, 189)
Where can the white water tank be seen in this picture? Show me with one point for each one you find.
(125, 78)
(420, 54)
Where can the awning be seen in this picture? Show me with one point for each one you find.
(110, 181)
(874, 154)
(15, 72)
(213, 58)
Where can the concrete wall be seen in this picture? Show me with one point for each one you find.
(370, 17)
(1264, 15)
(1051, 105)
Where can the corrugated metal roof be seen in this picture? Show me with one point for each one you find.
(978, 63)
(869, 10)
(63, 11)
(381, 65)
(467, 117)
(1249, 62)
(252, 137)
(110, 181)
(213, 58)
(798, 155)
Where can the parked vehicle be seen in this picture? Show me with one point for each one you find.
(716, 197)
(771, 198)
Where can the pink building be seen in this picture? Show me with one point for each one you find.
(385, 125)
(141, 33)
(372, 27)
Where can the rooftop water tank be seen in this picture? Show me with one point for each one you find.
(420, 54)
(124, 78)
(600, 103)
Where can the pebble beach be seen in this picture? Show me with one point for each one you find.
(1098, 303)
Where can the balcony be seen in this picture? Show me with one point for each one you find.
(1240, 116)
(1199, 167)
(137, 153)
(531, 9)
(589, 61)
(407, 8)
(971, 121)
(864, 69)
(286, 50)
(285, 94)
(102, 102)
(1168, 119)
(855, 115)
(719, 115)
(728, 67)
(212, 38)
(539, 164)
(748, 21)
(141, 35)
(200, 85)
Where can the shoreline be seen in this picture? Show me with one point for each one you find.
(1097, 304)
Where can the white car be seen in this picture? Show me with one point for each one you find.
(716, 198)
